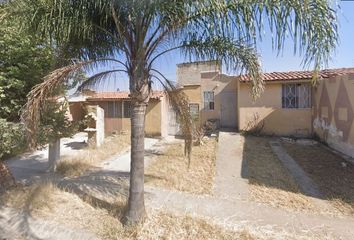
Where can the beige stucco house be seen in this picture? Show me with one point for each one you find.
(116, 106)
(291, 104)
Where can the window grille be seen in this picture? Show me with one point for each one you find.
(127, 109)
(296, 95)
(194, 110)
(114, 109)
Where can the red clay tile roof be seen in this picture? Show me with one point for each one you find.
(102, 96)
(299, 75)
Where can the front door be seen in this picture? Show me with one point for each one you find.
(228, 115)
(173, 126)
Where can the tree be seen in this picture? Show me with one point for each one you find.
(54, 125)
(131, 35)
(24, 61)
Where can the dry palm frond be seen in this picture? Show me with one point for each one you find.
(39, 96)
(180, 104)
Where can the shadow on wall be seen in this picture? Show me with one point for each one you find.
(277, 122)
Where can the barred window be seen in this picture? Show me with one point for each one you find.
(296, 95)
(127, 109)
(114, 109)
(194, 110)
(209, 100)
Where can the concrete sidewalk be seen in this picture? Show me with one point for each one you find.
(231, 169)
(239, 215)
(122, 162)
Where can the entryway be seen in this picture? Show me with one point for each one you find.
(228, 115)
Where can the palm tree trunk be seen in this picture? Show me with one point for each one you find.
(136, 207)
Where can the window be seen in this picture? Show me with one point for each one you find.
(194, 110)
(209, 100)
(114, 110)
(126, 109)
(296, 96)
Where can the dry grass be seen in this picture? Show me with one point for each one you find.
(170, 169)
(159, 224)
(326, 170)
(69, 210)
(270, 183)
(37, 197)
(72, 211)
(92, 156)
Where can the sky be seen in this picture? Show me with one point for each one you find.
(285, 61)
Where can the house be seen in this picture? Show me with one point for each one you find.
(290, 105)
(212, 95)
(116, 106)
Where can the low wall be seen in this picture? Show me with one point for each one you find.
(333, 112)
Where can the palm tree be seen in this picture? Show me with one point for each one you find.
(130, 35)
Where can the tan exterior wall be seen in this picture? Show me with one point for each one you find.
(268, 110)
(153, 118)
(211, 81)
(164, 116)
(194, 95)
(333, 112)
(189, 73)
(219, 84)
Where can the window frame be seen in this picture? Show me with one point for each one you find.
(123, 111)
(197, 113)
(209, 102)
(294, 92)
(113, 109)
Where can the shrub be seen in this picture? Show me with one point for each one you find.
(12, 138)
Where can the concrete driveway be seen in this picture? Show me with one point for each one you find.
(34, 164)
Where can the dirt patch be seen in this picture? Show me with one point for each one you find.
(170, 168)
(92, 157)
(270, 182)
(326, 170)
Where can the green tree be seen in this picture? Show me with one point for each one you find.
(24, 61)
(131, 35)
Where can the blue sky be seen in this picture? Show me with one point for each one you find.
(285, 61)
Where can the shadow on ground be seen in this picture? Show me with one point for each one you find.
(261, 166)
(99, 188)
(76, 145)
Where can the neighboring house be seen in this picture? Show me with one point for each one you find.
(116, 106)
(289, 106)
(212, 95)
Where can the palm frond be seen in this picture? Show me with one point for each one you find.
(98, 78)
(312, 24)
(179, 102)
(39, 96)
(235, 55)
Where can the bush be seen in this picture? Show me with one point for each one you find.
(12, 138)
